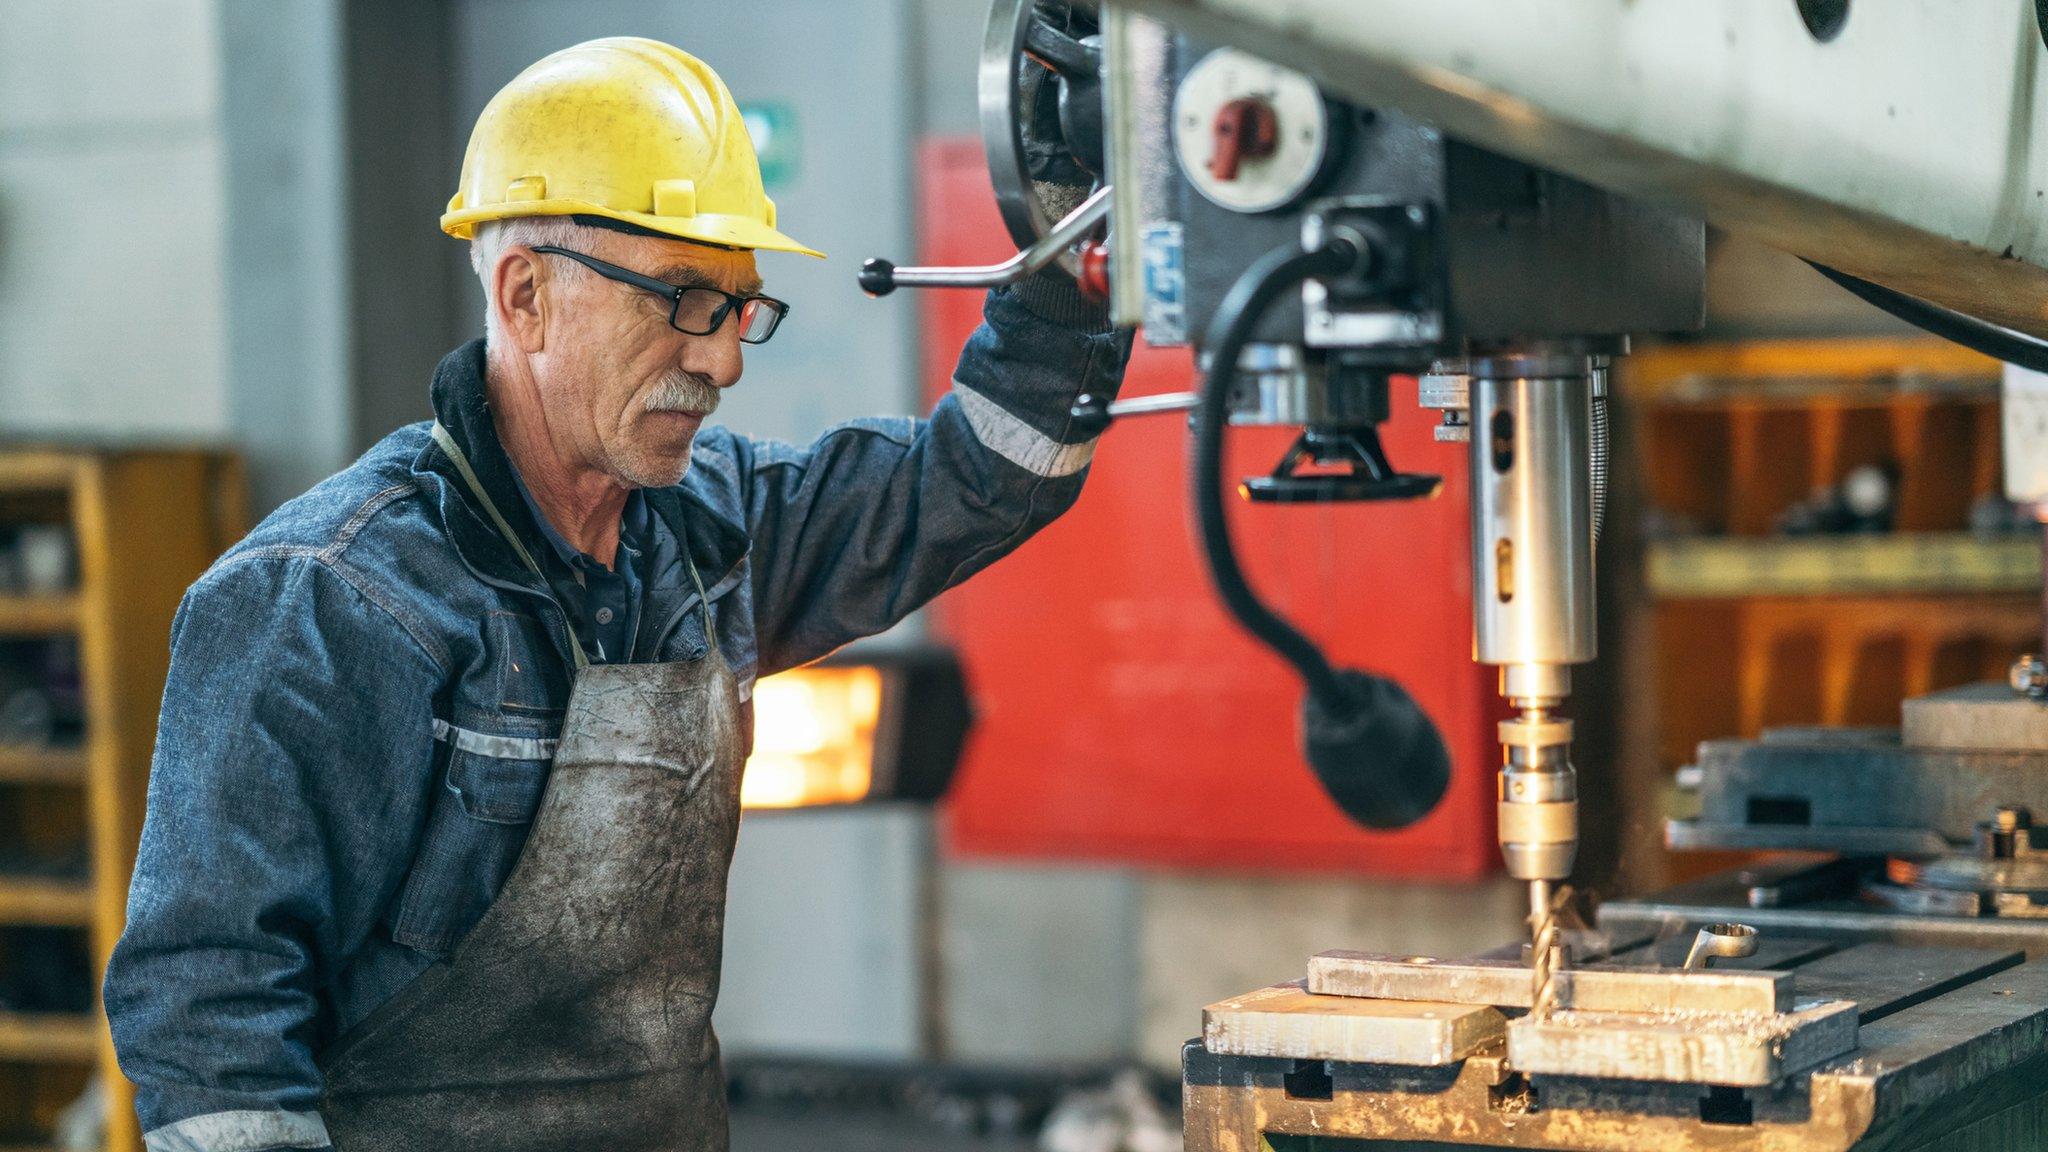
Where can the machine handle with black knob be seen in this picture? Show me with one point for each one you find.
(880, 277)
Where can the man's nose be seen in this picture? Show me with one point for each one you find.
(718, 357)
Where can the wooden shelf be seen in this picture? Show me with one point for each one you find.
(1797, 372)
(145, 522)
(42, 766)
(49, 1037)
(40, 470)
(47, 901)
(1943, 562)
(38, 615)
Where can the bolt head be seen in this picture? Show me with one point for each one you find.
(2029, 676)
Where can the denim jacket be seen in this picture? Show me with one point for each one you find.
(364, 694)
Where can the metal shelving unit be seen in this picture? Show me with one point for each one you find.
(1756, 628)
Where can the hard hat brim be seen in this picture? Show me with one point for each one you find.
(704, 228)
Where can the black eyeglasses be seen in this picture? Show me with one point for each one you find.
(693, 311)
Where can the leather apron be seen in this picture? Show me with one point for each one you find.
(577, 1012)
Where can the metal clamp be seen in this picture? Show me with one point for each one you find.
(880, 277)
(1726, 941)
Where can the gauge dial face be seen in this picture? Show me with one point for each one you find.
(1250, 135)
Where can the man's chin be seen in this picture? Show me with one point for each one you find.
(662, 459)
(652, 473)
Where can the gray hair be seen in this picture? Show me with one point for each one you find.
(494, 236)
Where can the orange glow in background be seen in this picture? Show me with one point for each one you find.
(814, 738)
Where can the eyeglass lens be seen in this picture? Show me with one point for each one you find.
(697, 308)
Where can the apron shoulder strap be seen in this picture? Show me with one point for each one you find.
(703, 597)
(476, 489)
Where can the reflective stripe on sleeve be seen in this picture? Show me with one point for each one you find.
(1011, 438)
(500, 747)
(249, 1131)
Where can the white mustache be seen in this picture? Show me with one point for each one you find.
(681, 391)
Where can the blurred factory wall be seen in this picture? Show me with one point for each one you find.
(112, 201)
(131, 133)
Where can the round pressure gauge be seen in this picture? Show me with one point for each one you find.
(1250, 135)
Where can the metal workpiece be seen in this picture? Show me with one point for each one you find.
(1723, 1049)
(1631, 1022)
(1287, 1020)
(1948, 1055)
(1595, 987)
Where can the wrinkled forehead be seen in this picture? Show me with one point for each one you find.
(684, 264)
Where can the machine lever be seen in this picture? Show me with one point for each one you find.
(880, 277)
(1060, 52)
(1091, 415)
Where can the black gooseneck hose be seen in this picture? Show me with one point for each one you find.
(1255, 291)
(1373, 748)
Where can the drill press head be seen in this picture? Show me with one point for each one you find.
(1471, 264)
(1532, 464)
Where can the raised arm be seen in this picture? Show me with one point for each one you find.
(875, 517)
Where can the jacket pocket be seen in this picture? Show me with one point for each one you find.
(491, 789)
(526, 674)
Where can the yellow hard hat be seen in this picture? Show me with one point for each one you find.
(624, 128)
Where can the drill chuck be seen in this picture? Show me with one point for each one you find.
(1538, 810)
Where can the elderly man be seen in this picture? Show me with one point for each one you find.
(448, 771)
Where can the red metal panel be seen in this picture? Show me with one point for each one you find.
(1121, 715)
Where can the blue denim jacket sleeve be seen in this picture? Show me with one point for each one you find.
(295, 813)
(856, 530)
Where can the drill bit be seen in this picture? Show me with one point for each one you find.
(1538, 822)
(1546, 954)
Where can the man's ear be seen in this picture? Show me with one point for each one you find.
(517, 298)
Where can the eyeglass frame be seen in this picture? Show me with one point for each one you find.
(673, 293)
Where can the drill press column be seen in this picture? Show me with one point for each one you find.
(1532, 585)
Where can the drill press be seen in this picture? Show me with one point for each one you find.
(1313, 249)
(1532, 461)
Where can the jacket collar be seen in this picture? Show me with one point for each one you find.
(716, 543)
